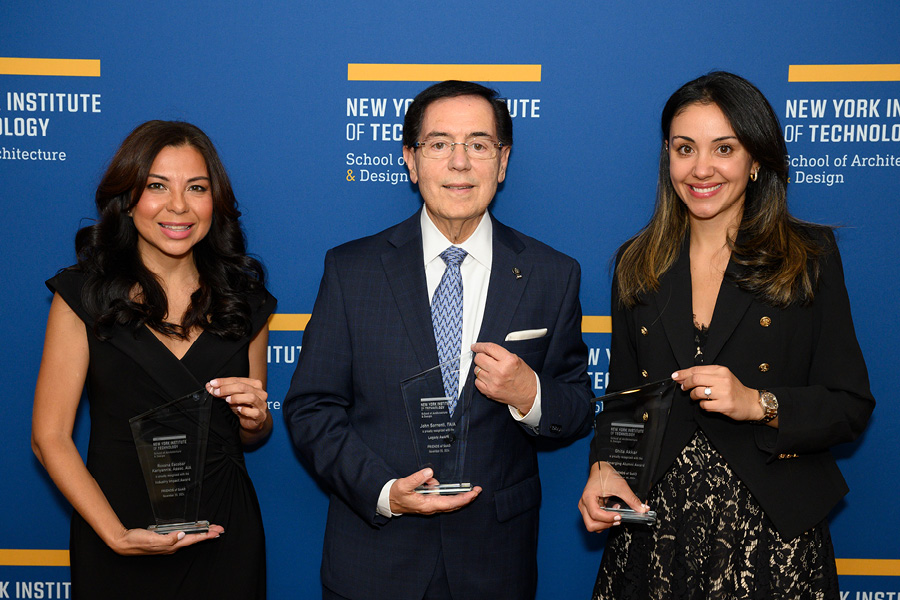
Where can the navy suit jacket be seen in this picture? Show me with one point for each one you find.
(370, 329)
(807, 355)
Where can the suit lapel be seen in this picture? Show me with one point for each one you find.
(404, 269)
(731, 304)
(405, 272)
(675, 307)
(509, 277)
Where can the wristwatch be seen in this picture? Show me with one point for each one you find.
(770, 404)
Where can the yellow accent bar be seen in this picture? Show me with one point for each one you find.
(34, 558)
(288, 322)
(868, 566)
(297, 322)
(596, 324)
(62, 67)
(409, 72)
(823, 73)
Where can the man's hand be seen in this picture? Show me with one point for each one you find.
(502, 376)
(404, 498)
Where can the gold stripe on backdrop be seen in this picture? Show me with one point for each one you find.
(62, 67)
(868, 566)
(34, 558)
(851, 73)
(414, 72)
(287, 322)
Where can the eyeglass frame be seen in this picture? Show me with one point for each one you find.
(497, 145)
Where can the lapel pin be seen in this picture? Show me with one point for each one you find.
(517, 272)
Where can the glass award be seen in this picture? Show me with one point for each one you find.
(439, 433)
(628, 435)
(171, 445)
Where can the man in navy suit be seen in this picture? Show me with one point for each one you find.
(371, 328)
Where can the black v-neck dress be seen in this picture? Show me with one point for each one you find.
(128, 375)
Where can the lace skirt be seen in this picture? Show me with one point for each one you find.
(713, 541)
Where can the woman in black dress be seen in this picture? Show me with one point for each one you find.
(163, 302)
(745, 307)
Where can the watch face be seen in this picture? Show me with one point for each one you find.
(770, 405)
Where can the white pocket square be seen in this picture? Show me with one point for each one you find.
(526, 334)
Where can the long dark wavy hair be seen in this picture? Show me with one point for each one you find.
(779, 252)
(120, 290)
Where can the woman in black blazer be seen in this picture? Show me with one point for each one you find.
(745, 307)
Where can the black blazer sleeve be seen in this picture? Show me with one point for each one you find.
(836, 403)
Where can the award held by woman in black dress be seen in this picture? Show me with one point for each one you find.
(171, 444)
(629, 431)
(439, 425)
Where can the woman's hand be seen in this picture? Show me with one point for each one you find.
(247, 400)
(727, 395)
(603, 483)
(143, 542)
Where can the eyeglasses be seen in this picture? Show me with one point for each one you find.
(480, 148)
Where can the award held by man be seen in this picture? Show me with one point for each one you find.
(439, 424)
(629, 431)
(171, 445)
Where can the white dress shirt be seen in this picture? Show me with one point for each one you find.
(476, 274)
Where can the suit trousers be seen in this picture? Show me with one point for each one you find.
(438, 588)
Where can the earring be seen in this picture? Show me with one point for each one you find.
(753, 175)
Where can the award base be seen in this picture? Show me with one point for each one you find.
(171, 447)
(438, 433)
(629, 515)
(193, 527)
(445, 489)
(628, 434)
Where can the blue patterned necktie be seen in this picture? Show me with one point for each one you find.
(446, 317)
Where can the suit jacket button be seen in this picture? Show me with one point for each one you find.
(645, 374)
(643, 331)
(765, 321)
(764, 367)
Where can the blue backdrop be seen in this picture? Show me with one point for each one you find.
(272, 85)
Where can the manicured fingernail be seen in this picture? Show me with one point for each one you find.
(180, 535)
(213, 382)
(617, 518)
(240, 409)
(675, 375)
(645, 506)
(216, 391)
(228, 399)
(682, 387)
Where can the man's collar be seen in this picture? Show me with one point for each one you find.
(478, 245)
